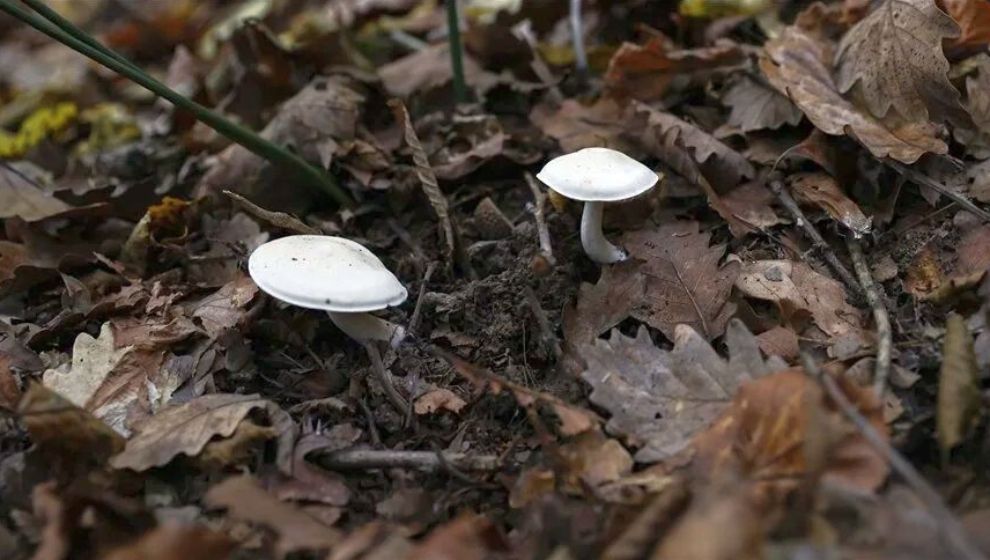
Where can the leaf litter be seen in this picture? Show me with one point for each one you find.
(711, 397)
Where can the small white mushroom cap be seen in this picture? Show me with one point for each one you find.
(326, 273)
(597, 175)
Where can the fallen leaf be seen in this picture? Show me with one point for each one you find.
(93, 360)
(224, 309)
(767, 436)
(64, 431)
(467, 537)
(245, 499)
(605, 304)
(576, 125)
(821, 190)
(592, 460)
(429, 69)
(22, 197)
(895, 56)
(754, 106)
(973, 252)
(795, 286)
(977, 138)
(176, 542)
(658, 400)
(752, 202)
(468, 142)
(780, 341)
(237, 449)
(797, 64)
(958, 386)
(973, 18)
(439, 399)
(685, 284)
(185, 429)
(645, 72)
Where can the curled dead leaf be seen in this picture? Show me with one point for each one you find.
(958, 386)
(439, 399)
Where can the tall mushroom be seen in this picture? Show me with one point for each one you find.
(340, 277)
(596, 176)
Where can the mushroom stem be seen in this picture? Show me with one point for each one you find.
(593, 240)
(363, 327)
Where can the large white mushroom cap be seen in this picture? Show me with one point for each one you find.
(324, 272)
(597, 175)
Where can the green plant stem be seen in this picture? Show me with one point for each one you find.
(456, 51)
(65, 32)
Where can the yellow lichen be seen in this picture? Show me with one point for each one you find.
(45, 122)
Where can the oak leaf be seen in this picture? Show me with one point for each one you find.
(973, 18)
(895, 56)
(645, 72)
(977, 138)
(797, 63)
(658, 399)
(684, 282)
(958, 386)
(185, 429)
(821, 190)
(754, 106)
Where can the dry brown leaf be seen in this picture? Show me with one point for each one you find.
(977, 138)
(185, 429)
(821, 190)
(591, 460)
(468, 142)
(780, 341)
(427, 178)
(236, 449)
(467, 537)
(752, 202)
(429, 69)
(439, 399)
(895, 56)
(973, 18)
(797, 64)
(601, 306)
(21, 198)
(958, 386)
(573, 419)
(63, 430)
(685, 284)
(645, 72)
(755, 106)
(575, 125)
(224, 309)
(118, 376)
(659, 400)
(768, 435)
(176, 542)
(973, 252)
(795, 286)
(245, 499)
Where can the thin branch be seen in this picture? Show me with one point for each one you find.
(384, 379)
(922, 179)
(818, 242)
(880, 316)
(417, 313)
(542, 231)
(947, 523)
(63, 31)
(364, 459)
(547, 337)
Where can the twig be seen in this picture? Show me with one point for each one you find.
(418, 310)
(922, 179)
(376, 438)
(363, 459)
(278, 219)
(546, 333)
(456, 472)
(384, 379)
(880, 315)
(456, 51)
(577, 39)
(949, 526)
(65, 32)
(778, 188)
(541, 224)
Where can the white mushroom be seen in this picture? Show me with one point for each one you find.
(332, 274)
(596, 176)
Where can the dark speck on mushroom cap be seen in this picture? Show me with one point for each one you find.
(597, 174)
(324, 272)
